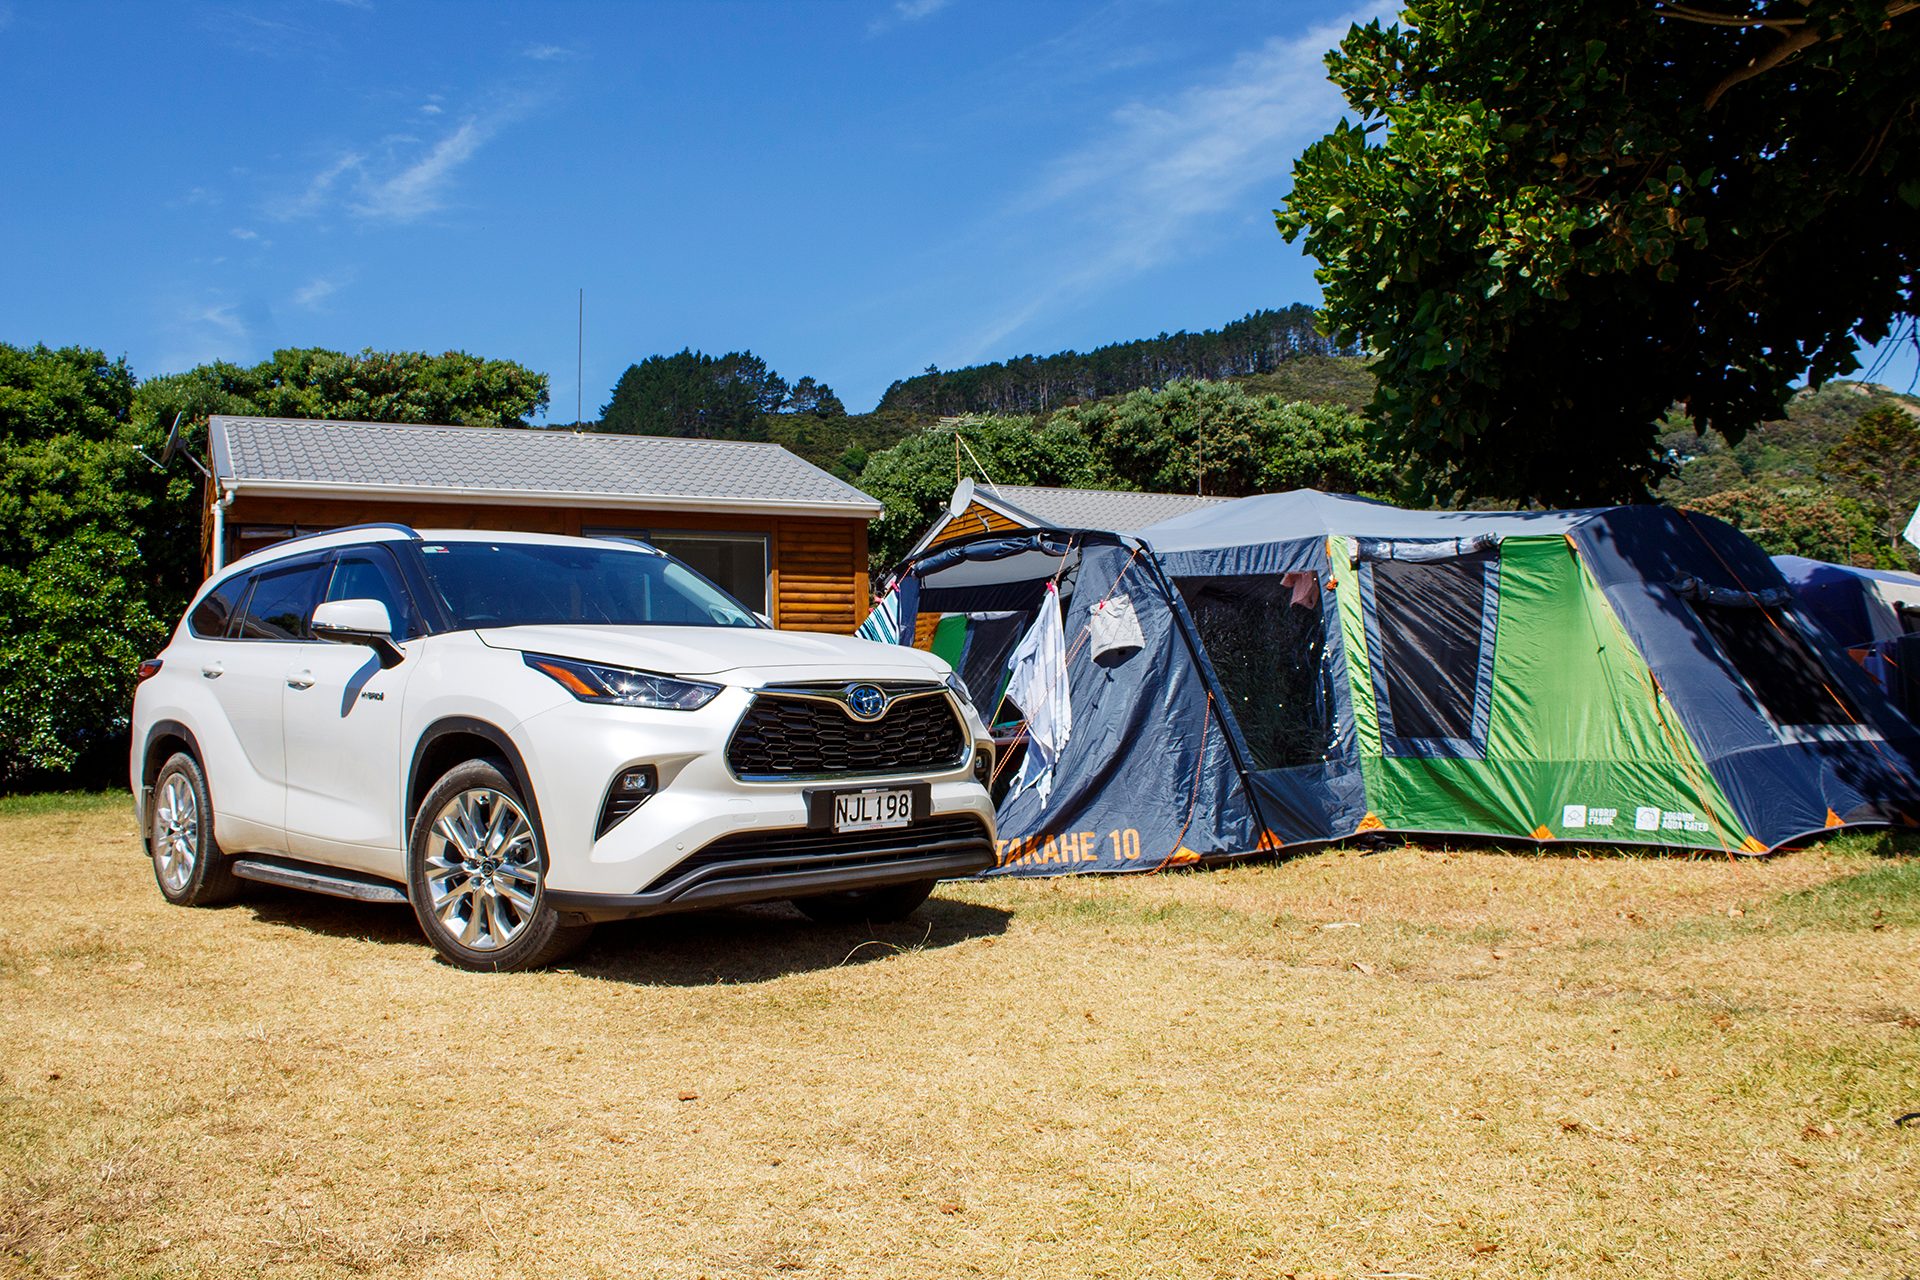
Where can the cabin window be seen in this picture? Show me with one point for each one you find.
(370, 575)
(1265, 638)
(1430, 638)
(735, 562)
(1786, 678)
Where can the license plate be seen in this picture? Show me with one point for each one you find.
(873, 810)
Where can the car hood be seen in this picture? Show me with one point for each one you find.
(749, 655)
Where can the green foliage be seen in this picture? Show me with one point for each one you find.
(1208, 435)
(1879, 463)
(1554, 222)
(75, 504)
(1214, 438)
(1255, 344)
(373, 386)
(1781, 485)
(913, 479)
(693, 394)
(1800, 521)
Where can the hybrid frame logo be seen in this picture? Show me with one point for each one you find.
(866, 701)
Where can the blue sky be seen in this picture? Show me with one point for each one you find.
(851, 190)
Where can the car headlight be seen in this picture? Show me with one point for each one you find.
(595, 682)
(959, 688)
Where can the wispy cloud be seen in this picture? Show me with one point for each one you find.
(1135, 198)
(552, 52)
(244, 233)
(902, 12)
(419, 188)
(314, 292)
(402, 178)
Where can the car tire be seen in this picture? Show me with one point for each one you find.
(187, 862)
(476, 875)
(876, 906)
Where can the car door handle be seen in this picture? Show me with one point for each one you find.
(300, 680)
(213, 672)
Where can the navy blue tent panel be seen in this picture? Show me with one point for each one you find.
(1793, 731)
(1147, 778)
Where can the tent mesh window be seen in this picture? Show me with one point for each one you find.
(1265, 636)
(1790, 682)
(1432, 666)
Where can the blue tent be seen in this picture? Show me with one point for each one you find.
(1312, 666)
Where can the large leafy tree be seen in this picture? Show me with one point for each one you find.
(710, 397)
(1553, 221)
(79, 510)
(371, 386)
(1216, 438)
(1878, 462)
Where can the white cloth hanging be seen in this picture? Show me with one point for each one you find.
(1039, 687)
(1113, 626)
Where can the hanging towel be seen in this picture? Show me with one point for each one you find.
(883, 624)
(1039, 685)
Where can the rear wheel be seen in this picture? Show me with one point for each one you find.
(856, 906)
(477, 875)
(187, 864)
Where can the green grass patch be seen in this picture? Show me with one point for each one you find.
(65, 803)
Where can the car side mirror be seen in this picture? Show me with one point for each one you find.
(364, 622)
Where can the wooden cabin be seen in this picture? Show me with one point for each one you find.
(786, 538)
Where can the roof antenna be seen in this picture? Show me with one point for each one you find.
(170, 448)
(580, 365)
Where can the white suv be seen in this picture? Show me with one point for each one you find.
(522, 734)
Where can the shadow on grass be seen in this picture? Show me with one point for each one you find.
(741, 944)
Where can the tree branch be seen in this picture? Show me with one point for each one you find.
(1790, 45)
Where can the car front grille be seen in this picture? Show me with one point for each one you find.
(791, 736)
(761, 852)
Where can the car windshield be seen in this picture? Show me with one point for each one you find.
(513, 584)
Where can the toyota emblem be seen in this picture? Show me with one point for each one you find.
(866, 701)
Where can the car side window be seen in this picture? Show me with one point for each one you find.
(370, 575)
(282, 603)
(213, 617)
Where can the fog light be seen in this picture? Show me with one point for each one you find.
(982, 765)
(631, 788)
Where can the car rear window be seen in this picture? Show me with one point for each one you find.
(212, 618)
(282, 603)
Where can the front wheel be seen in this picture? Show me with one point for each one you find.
(877, 906)
(477, 875)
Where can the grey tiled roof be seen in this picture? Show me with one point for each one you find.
(1107, 509)
(624, 470)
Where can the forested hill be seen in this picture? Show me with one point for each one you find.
(1256, 344)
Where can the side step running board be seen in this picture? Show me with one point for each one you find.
(327, 880)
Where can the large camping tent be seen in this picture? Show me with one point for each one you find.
(1312, 666)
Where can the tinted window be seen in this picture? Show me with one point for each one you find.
(212, 618)
(1766, 649)
(282, 602)
(1264, 637)
(510, 584)
(1429, 617)
(737, 564)
(370, 575)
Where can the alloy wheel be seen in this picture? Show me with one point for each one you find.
(482, 869)
(176, 833)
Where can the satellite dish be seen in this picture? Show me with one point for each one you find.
(962, 497)
(172, 445)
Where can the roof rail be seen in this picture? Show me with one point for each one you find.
(394, 525)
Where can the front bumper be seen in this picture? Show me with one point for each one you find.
(636, 867)
(776, 865)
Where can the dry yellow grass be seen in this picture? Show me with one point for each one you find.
(1419, 1063)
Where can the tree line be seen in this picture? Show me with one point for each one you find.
(1257, 343)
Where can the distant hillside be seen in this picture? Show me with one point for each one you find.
(1257, 344)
